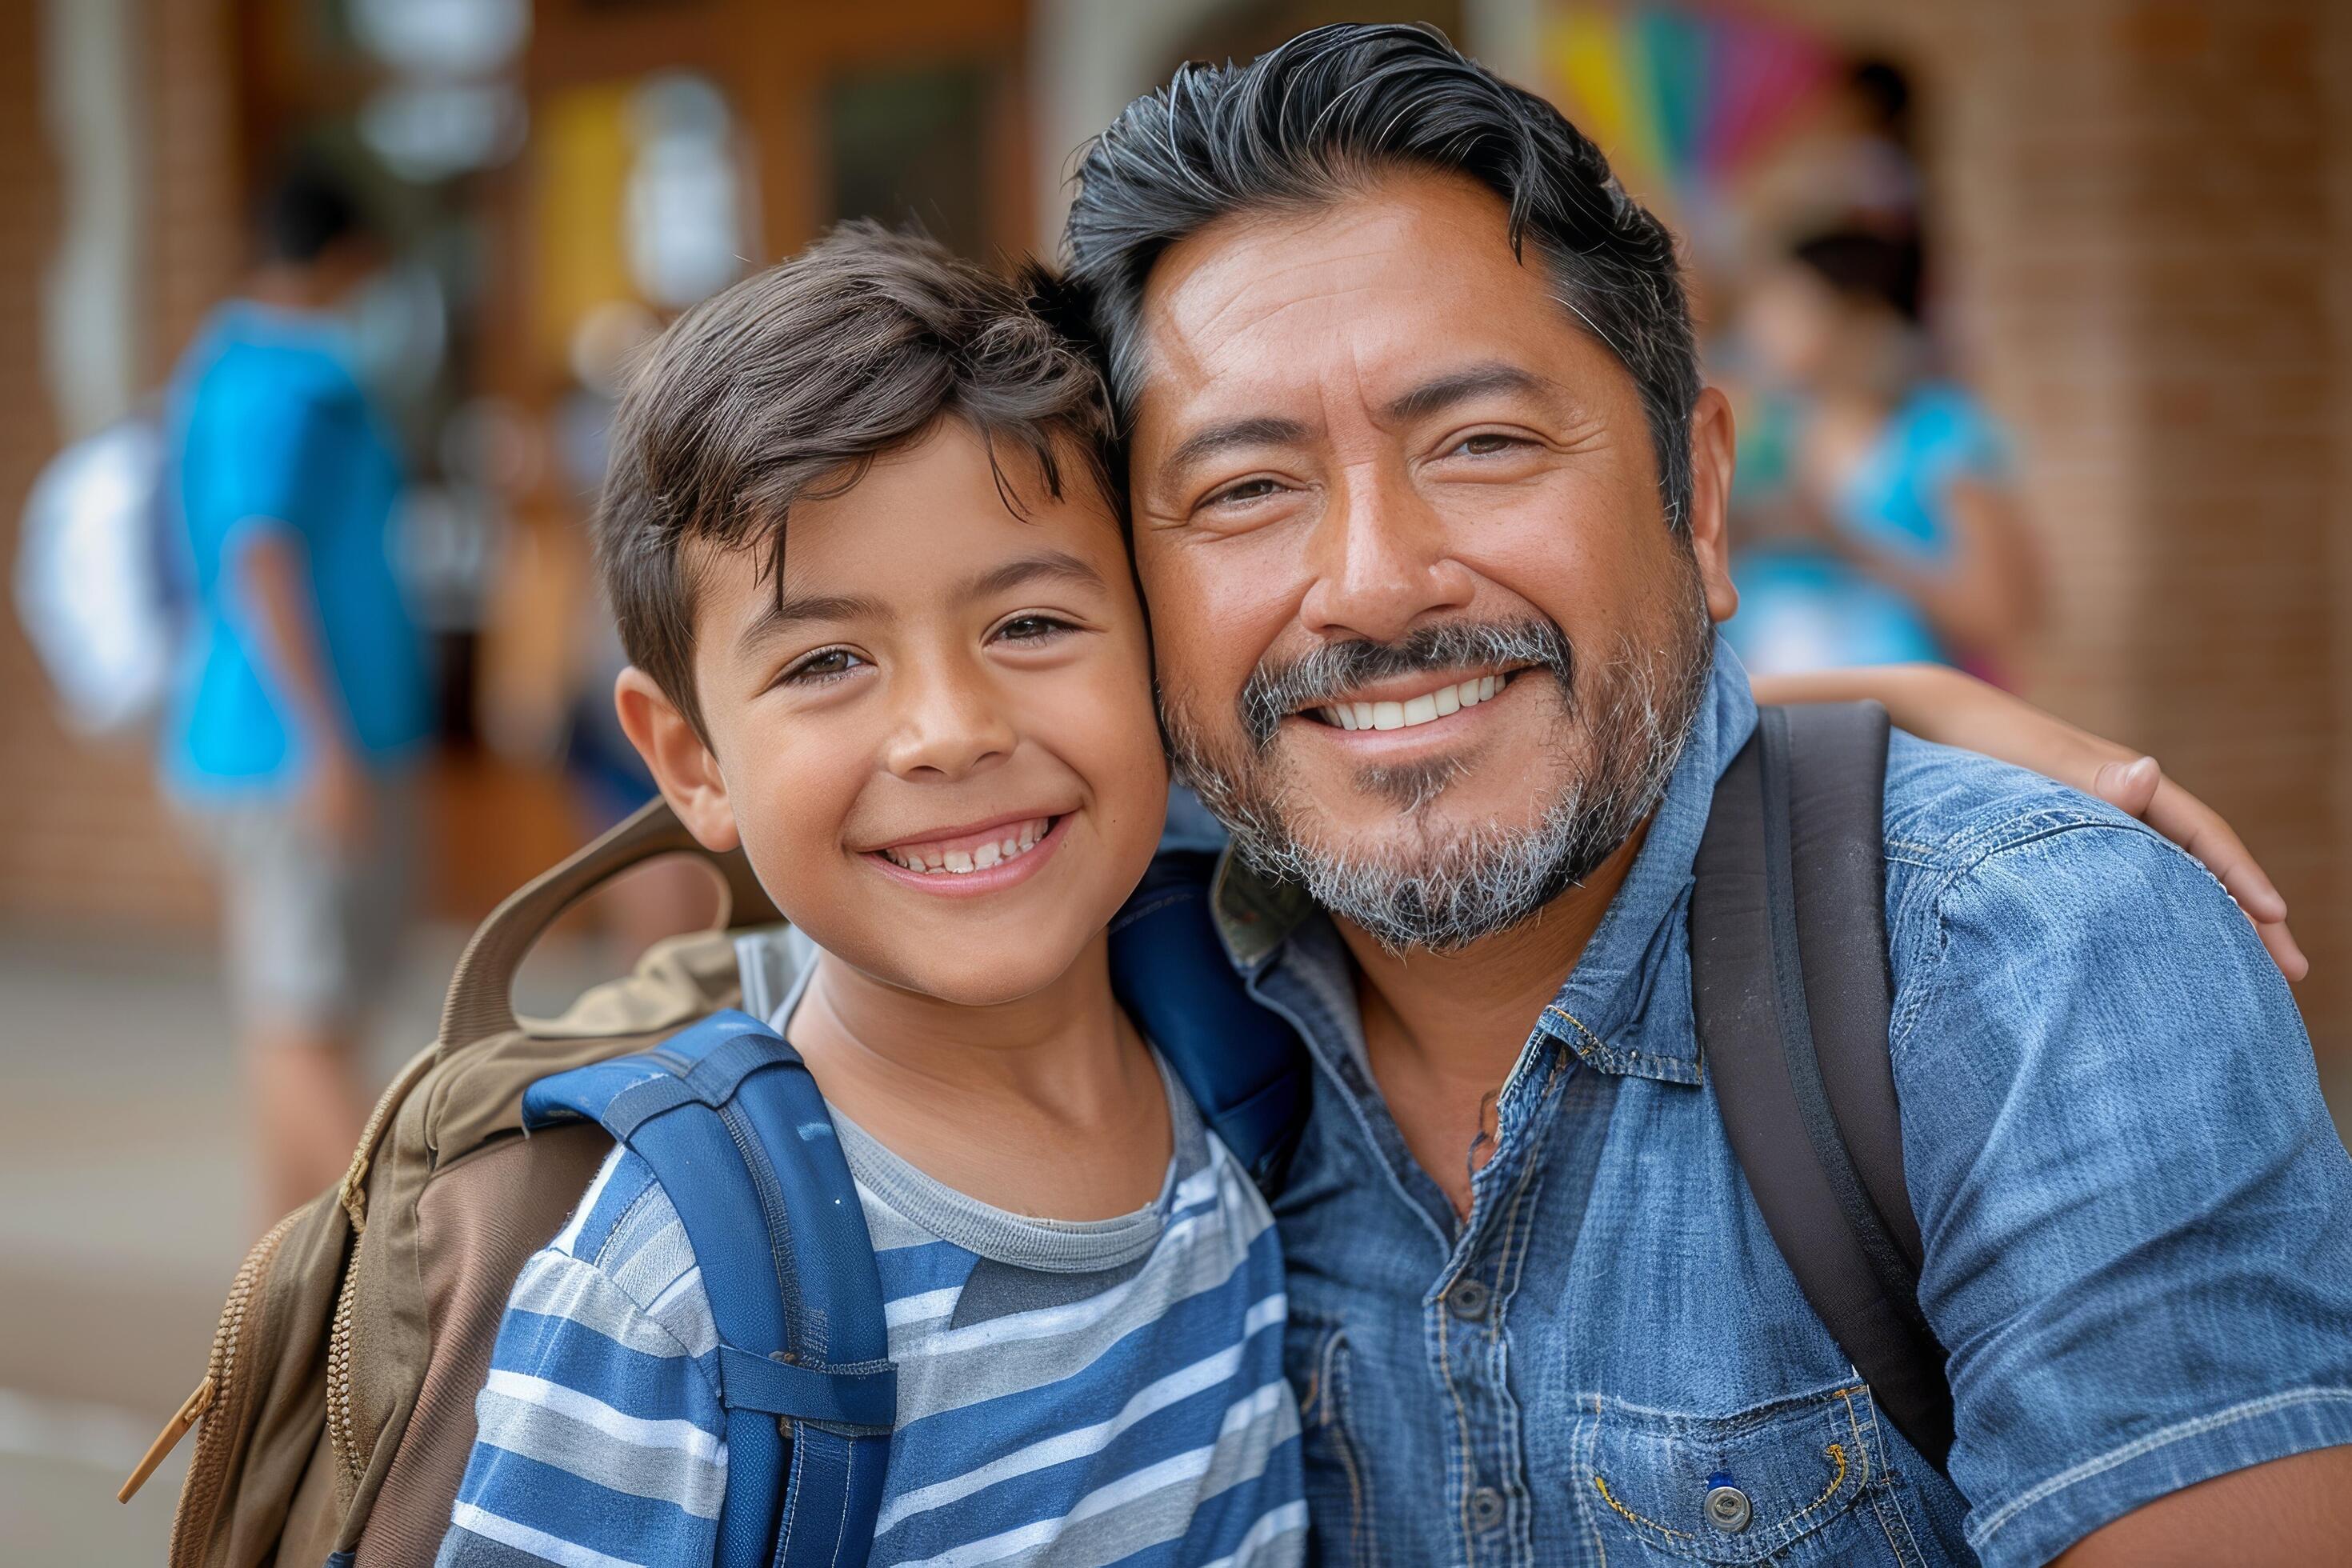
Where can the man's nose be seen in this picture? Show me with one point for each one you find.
(1381, 558)
(951, 722)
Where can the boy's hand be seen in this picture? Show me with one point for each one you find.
(2139, 786)
(1951, 709)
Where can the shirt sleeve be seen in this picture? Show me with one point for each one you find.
(2136, 1209)
(277, 450)
(598, 1434)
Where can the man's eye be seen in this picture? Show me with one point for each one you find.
(1033, 628)
(1247, 490)
(826, 664)
(1486, 444)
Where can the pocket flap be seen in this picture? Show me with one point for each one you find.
(1732, 1490)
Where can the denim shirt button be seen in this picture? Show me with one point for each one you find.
(1727, 1508)
(1469, 1300)
(1485, 1508)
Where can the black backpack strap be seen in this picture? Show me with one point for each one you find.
(1790, 984)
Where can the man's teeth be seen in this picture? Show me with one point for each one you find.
(1426, 709)
(965, 858)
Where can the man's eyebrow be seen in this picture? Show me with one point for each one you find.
(1047, 565)
(1445, 390)
(1263, 430)
(781, 615)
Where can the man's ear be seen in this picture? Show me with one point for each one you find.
(680, 762)
(1710, 500)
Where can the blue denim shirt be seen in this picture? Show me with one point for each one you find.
(2136, 1212)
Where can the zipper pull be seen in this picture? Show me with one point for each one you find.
(169, 1438)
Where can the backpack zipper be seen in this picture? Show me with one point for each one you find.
(200, 1493)
(342, 1421)
(342, 1424)
(218, 1362)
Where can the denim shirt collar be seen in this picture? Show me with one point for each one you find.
(1611, 1010)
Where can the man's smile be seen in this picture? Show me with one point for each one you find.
(1408, 702)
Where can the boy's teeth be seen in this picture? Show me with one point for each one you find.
(1425, 709)
(961, 862)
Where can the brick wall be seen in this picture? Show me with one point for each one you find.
(2133, 200)
(83, 840)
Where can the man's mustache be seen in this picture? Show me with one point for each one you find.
(1278, 687)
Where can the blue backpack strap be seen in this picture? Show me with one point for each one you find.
(1240, 1062)
(729, 1119)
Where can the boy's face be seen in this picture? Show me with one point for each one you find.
(946, 686)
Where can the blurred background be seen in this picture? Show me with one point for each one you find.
(2042, 362)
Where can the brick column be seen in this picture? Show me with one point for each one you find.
(84, 841)
(2132, 199)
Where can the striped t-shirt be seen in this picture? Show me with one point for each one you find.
(1078, 1392)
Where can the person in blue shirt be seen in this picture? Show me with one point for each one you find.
(1428, 503)
(1875, 509)
(301, 700)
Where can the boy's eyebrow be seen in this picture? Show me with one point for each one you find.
(780, 615)
(1047, 565)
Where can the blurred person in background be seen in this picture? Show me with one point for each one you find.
(302, 696)
(1855, 164)
(1881, 521)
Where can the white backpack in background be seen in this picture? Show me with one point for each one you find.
(95, 585)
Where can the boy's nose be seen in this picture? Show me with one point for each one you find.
(947, 726)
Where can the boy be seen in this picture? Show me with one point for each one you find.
(883, 634)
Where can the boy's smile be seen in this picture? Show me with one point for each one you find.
(934, 738)
(963, 862)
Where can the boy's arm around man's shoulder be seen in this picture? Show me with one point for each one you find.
(2137, 1211)
(599, 1429)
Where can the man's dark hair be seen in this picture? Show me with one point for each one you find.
(1861, 265)
(1315, 120)
(790, 385)
(304, 214)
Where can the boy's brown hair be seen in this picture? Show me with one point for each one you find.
(791, 384)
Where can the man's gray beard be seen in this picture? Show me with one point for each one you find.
(1444, 893)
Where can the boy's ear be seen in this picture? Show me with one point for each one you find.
(681, 765)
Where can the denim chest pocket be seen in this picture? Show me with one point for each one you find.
(1794, 1482)
(1338, 1498)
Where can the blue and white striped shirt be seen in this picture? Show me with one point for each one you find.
(1069, 1393)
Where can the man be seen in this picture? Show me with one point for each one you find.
(303, 694)
(1429, 506)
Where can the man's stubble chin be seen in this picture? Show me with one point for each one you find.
(1427, 877)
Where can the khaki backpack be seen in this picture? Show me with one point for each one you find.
(336, 1412)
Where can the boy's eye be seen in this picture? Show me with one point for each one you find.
(1032, 628)
(826, 664)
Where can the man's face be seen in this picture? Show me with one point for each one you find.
(1424, 637)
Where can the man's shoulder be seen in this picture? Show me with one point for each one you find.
(1992, 870)
(1947, 811)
